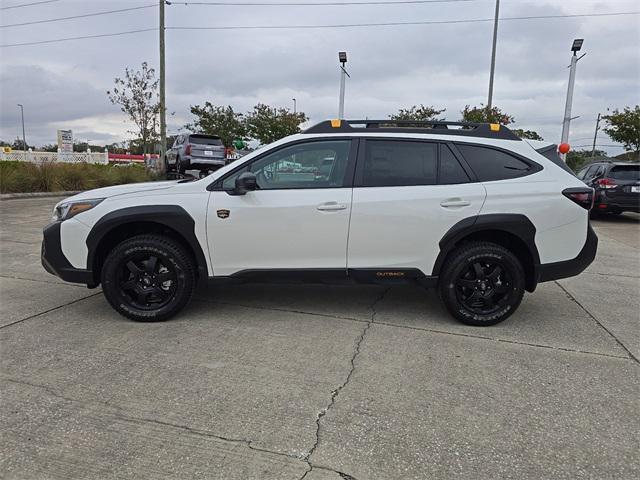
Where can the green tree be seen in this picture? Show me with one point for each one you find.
(624, 127)
(482, 115)
(137, 96)
(217, 120)
(268, 124)
(577, 158)
(418, 113)
(529, 134)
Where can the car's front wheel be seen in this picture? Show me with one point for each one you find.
(148, 278)
(482, 283)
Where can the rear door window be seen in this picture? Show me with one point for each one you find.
(491, 164)
(625, 172)
(389, 163)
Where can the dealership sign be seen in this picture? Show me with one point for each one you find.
(65, 141)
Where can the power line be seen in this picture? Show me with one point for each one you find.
(80, 38)
(311, 27)
(391, 24)
(28, 4)
(77, 16)
(315, 4)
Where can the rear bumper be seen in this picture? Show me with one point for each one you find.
(625, 203)
(570, 268)
(207, 161)
(54, 261)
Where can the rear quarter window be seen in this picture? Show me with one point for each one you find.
(551, 153)
(490, 164)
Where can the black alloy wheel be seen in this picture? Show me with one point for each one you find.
(483, 286)
(148, 278)
(147, 282)
(482, 283)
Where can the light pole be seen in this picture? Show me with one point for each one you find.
(493, 57)
(24, 141)
(294, 106)
(342, 57)
(163, 107)
(566, 123)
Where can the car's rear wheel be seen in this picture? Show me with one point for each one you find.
(182, 165)
(482, 283)
(148, 278)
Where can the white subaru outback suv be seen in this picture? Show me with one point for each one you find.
(470, 209)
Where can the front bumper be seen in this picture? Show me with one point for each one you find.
(54, 261)
(570, 268)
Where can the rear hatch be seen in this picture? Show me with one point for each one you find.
(622, 183)
(206, 147)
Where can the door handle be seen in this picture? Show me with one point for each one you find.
(455, 202)
(331, 207)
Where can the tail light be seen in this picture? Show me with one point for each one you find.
(581, 196)
(606, 183)
(187, 150)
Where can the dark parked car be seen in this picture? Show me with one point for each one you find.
(196, 151)
(616, 184)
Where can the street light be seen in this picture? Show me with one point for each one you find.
(577, 45)
(294, 105)
(342, 57)
(24, 141)
(566, 122)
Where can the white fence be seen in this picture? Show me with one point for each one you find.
(53, 157)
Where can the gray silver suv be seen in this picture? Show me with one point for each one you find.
(196, 151)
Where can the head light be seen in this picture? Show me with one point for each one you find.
(67, 210)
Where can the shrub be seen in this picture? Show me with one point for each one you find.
(18, 177)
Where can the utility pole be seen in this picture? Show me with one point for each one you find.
(493, 57)
(566, 123)
(342, 57)
(163, 107)
(593, 149)
(24, 140)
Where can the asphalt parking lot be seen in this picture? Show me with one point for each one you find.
(318, 382)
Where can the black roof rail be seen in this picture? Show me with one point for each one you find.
(437, 127)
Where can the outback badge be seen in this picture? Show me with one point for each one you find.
(223, 213)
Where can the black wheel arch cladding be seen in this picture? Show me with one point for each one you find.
(511, 223)
(172, 217)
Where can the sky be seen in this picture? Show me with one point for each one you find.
(64, 84)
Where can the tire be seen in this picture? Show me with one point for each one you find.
(482, 283)
(182, 166)
(132, 280)
(168, 167)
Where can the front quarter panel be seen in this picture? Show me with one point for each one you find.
(76, 231)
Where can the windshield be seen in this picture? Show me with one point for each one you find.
(625, 172)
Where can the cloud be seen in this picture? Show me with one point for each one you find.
(391, 67)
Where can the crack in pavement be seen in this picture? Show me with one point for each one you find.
(336, 392)
(49, 310)
(121, 415)
(593, 317)
(422, 329)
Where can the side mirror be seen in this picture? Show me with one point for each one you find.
(245, 182)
